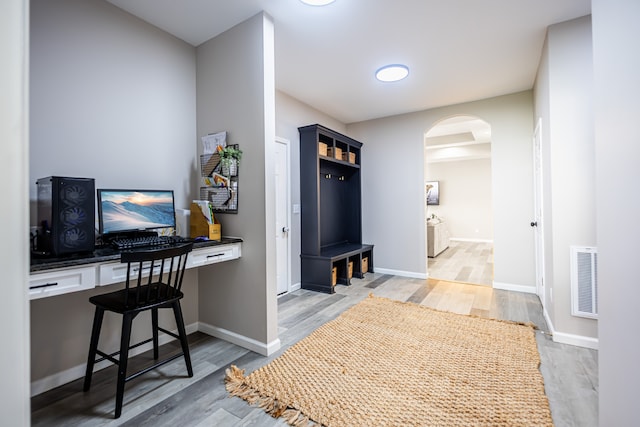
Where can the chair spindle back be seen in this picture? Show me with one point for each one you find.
(164, 271)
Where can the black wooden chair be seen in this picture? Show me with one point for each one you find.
(164, 270)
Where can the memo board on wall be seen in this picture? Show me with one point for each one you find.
(219, 184)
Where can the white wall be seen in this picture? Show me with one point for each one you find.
(466, 197)
(14, 251)
(393, 178)
(236, 93)
(112, 98)
(290, 115)
(617, 90)
(564, 102)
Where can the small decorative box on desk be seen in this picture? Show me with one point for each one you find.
(200, 226)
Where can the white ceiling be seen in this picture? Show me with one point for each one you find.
(458, 138)
(457, 50)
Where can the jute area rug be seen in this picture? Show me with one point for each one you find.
(389, 363)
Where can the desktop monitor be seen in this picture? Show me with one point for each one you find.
(123, 211)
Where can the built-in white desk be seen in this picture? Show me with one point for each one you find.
(56, 276)
(59, 344)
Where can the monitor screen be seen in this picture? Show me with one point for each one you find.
(131, 210)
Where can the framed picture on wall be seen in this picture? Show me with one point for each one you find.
(433, 192)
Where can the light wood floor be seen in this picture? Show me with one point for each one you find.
(469, 262)
(166, 397)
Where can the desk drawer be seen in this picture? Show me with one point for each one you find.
(117, 272)
(61, 282)
(212, 255)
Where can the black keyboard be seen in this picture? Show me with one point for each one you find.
(145, 241)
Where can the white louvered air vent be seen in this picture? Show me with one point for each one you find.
(584, 281)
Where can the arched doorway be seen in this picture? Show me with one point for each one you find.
(459, 200)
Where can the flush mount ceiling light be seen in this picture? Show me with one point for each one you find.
(392, 73)
(317, 2)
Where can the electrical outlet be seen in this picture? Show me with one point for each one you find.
(296, 208)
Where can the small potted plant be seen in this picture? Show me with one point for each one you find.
(230, 159)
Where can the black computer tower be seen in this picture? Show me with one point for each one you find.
(66, 215)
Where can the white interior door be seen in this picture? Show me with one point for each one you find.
(281, 150)
(538, 223)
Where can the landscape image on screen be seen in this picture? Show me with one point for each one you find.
(136, 210)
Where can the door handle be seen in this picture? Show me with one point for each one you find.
(534, 223)
(285, 229)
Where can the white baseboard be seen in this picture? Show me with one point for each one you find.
(411, 274)
(265, 349)
(464, 239)
(72, 374)
(292, 288)
(577, 340)
(514, 288)
(571, 339)
(295, 287)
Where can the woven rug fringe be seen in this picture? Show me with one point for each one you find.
(235, 385)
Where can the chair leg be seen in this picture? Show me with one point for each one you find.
(93, 347)
(177, 311)
(154, 325)
(127, 320)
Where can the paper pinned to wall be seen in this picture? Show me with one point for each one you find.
(210, 142)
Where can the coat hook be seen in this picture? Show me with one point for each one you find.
(328, 176)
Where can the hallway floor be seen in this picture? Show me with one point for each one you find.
(468, 262)
(167, 397)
